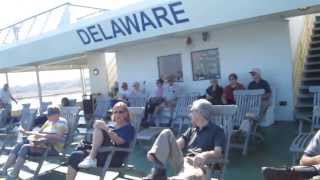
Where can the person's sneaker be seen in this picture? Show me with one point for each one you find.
(88, 163)
(11, 177)
(156, 174)
(3, 173)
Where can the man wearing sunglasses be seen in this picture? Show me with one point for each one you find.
(188, 154)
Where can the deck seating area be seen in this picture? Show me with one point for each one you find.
(273, 150)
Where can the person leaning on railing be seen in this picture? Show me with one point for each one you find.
(189, 153)
(53, 130)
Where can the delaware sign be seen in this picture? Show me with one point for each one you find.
(139, 22)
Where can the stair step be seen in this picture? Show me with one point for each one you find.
(311, 71)
(313, 55)
(305, 96)
(312, 63)
(315, 35)
(311, 79)
(314, 49)
(304, 105)
(303, 115)
(316, 41)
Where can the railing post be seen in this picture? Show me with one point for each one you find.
(39, 85)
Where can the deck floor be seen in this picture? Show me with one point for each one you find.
(271, 152)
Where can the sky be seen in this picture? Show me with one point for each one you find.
(13, 11)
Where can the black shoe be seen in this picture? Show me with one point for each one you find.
(271, 173)
(156, 174)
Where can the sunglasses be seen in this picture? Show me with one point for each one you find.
(118, 112)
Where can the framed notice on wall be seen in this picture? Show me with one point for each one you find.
(205, 64)
(170, 66)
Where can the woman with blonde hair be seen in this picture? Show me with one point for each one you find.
(120, 134)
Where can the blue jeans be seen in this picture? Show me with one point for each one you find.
(25, 148)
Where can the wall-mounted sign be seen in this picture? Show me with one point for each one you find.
(138, 22)
(170, 66)
(205, 64)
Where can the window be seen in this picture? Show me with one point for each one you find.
(170, 66)
(205, 64)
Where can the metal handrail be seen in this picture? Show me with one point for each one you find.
(13, 34)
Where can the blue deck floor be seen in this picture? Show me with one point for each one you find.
(272, 152)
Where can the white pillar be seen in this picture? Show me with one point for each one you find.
(83, 85)
(98, 73)
(39, 85)
(7, 78)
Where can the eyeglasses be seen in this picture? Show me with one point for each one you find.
(232, 79)
(118, 112)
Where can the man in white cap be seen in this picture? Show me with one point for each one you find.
(187, 154)
(259, 83)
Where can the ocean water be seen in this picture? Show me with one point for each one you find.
(55, 99)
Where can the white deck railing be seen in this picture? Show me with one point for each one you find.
(46, 21)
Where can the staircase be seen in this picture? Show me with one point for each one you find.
(310, 76)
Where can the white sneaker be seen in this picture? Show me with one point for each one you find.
(88, 163)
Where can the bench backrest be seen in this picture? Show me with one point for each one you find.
(44, 106)
(248, 101)
(316, 107)
(71, 114)
(136, 115)
(184, 103)
(137, 101)
(102, 105)
(223, 116)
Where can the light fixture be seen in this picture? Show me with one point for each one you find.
(205, 36)
(189, 40)
(95, 71)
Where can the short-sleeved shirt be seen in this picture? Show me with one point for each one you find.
(313, 148)
(5, 96)
(205, 139)
(55, 127)
(170, 92)
(228, 92)
(262, 84)
(127, 133)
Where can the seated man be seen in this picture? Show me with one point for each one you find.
(309, 165)
(189, 153)
(259, 83)
(53, 130)
(311, 154)
(120, 134)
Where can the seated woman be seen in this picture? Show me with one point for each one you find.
(153, 105)
(214, 93)
(119, 135)
(53, 130)
(136, 90)
(228, 90)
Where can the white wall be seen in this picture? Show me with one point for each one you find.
(265, 45)
(296, 26)
(65, 42)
